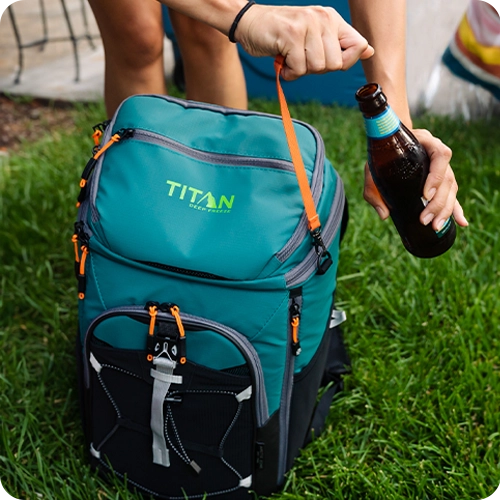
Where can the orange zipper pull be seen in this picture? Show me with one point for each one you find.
(82, 280)
(152, 308)
(174, 310)
(97, 137)
(296, 349)
(74, 239)
(121, 134)
(153, 312)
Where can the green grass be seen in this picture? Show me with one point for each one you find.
(420, 415)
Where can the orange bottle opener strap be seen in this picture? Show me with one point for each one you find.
(293, 146)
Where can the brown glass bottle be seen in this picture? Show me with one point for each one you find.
(399, 166)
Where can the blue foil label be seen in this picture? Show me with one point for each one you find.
(382, 125)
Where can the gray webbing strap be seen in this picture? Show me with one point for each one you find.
(337, 318)
(163, 378)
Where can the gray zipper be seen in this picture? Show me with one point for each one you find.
(286, 396)
(240, 341)
(217, 158)
(300, 273)
(82, 217)
(300, 231)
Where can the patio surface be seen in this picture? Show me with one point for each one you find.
(49, 70)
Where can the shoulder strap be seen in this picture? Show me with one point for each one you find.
(293, 145)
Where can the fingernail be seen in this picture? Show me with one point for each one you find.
(440, 224)
(431, 194)
(427, 219)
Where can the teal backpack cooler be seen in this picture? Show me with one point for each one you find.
(206, 312)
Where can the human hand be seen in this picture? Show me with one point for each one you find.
(312, 39)
(440, 187)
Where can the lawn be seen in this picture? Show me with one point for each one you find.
(419, 418)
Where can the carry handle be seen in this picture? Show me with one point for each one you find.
(293, 146)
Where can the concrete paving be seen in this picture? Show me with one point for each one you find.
(49, 70)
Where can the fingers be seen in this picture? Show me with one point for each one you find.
(440, 188)
(372, 196)
(312, 39)
(458, 214)
(354, 46)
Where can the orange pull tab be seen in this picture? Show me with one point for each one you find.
(85, 252)
(182, 335)
(295, 330)
(74, 239)
(81, 275)
(153, 312)
(114, 138)
(296, 349)
(97, 137)
(293, 146)
(175, 313)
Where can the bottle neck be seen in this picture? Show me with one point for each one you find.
(382, 125)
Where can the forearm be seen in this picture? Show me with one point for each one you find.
(383, 24)
(219, 14)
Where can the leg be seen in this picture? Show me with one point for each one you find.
(212, 67)
(132, 34)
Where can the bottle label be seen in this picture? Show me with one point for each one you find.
(382, 125)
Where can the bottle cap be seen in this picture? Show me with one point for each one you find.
(371, 98)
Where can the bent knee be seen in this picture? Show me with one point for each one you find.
(137, 45)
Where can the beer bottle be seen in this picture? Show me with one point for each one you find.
(399, 166)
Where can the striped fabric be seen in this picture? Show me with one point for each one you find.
(474, 52)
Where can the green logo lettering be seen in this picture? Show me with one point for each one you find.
(195, 192)
(211, 202)
(173, 185)
(225, 201)
(199, 197)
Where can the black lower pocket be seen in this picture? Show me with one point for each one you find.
(207, 426)
(307, 416)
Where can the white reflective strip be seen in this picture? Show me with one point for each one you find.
(165, 377)
(246, 482)
(243, 395)
(95, 364)
(94, 452)
(161, 456)
(337, 318)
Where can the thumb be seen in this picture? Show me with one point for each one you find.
(369, 51)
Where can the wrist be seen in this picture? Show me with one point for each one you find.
(224, 13)
(234, 25)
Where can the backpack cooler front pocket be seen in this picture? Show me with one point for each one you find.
(181, 420)
(242, 214)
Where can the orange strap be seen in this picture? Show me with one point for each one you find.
(293, 145)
